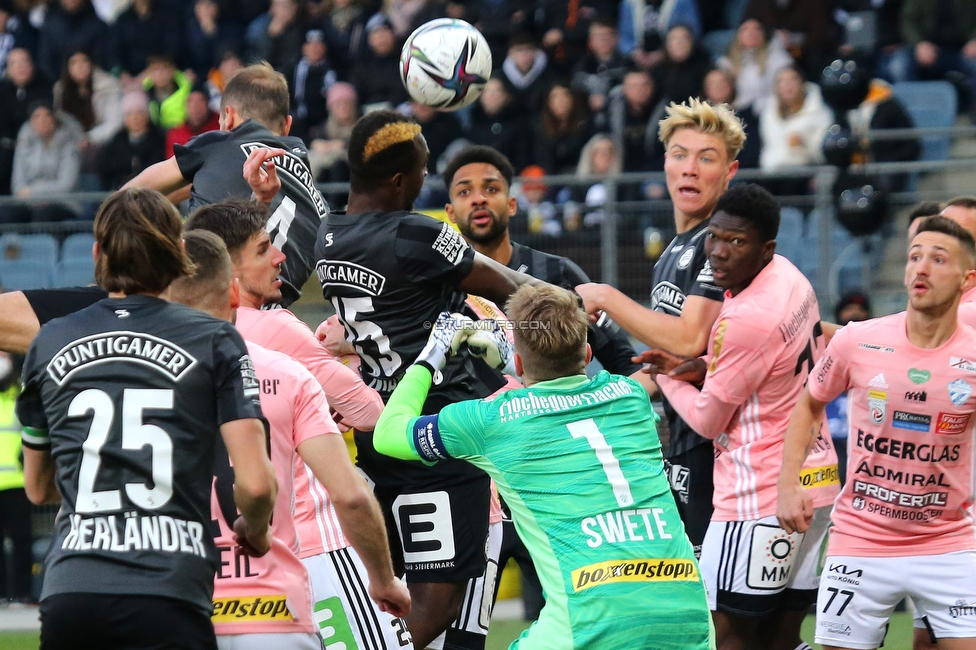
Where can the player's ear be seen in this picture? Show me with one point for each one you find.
(589, 354)
(518, 365)
(769, 249)
(512, 206)
(449, 209)
(969, 280)
(234, 293)
(287, 128)
(95, 251)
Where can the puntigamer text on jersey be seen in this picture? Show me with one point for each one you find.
(142, 348)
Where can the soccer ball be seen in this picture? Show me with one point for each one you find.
(445, 64)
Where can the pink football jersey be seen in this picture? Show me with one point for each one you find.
(272, 594)
(762, 348)
(910, 468)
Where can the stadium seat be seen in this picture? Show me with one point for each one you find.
(78, 246)
(39, 248)
(74, 272)
(930, 104)
(17, 275)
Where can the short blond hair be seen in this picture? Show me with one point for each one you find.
(718, 120)
(550, 336)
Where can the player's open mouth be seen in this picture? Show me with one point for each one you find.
(688, 191)
(481, 217)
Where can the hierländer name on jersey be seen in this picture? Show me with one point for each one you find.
(138, 347)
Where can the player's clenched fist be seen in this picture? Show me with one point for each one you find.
(490, 342)
(794, 506)
(393, 597)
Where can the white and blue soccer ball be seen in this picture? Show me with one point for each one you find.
(445, 64)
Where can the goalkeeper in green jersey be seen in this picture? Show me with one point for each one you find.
(579, 462)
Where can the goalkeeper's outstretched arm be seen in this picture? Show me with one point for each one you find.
(393, 433)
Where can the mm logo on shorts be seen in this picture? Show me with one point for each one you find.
(819, 476)
(641, 570)
(251, 609)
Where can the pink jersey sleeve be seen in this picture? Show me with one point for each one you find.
(831, 376)
(967, 314)
(705, 413)
(357, 404)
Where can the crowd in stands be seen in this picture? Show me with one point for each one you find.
(93, 91)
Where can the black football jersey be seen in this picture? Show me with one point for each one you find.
(610, 344)
(683, 270)
(389, 275)
(214, 163)
(129, 395)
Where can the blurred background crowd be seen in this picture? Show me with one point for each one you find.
(93, 91)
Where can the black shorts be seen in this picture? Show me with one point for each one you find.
(438, 534)
(108, 621)
(690, 475)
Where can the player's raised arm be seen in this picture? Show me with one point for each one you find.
(794, 508)
(255, 485)
(494, 281)
(395, 429)
(18, 323)
(164, 176)
(686, 334)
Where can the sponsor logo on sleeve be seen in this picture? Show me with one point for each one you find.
(919, 376)
(686, 257)
(251, 609)
(825, 365)
(450, 244)
(717, 343)
(911, 421)
(960, 363)
(638, 570)
(876, 348)
(427, 439)
(252, 388)
(959, 391)
(877, 405)
(952, 423)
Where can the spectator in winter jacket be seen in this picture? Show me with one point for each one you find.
(602, 67)
(94, 98)
(376, 75)
(199, 119)
(753, 60)
(793, 126)
(146, 28)
(23, 86)
(47, 160)
(643, 25)
(309, 82)
(69, 25)
(168, 89)
(277, 36)
(526, 68)
(681, 73)
(499, 122)
(634, 113)
(206, 36)
(137, 146)
(561, 131)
